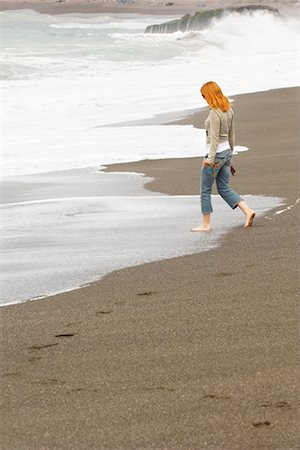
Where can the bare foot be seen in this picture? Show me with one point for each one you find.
(201, 228)
(249, 218)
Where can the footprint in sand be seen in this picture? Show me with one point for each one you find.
(217, 397)
(223, 274)
(280, 404)
(34, 358)
(52, 381)
(65, 334)
(104, 312)
(261, 424)
(38, 347)
(80, 389)
(147, 293)
(159, 388)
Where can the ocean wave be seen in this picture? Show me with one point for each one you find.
(202, 19)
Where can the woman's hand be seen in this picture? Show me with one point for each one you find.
(206, 163)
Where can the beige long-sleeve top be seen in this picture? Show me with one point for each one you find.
(219, 127)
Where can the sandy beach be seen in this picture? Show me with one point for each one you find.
(192, 352)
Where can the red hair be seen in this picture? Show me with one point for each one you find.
(214, 96)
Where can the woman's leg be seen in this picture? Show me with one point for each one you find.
(207, 180)
(227, 193)
(249, 213)
(231, 196)
(205, 226)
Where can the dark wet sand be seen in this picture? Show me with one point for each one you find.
(196, 352)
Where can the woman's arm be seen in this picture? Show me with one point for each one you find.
(231, 134)
(214, 135)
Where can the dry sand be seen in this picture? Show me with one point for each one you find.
(195, 352)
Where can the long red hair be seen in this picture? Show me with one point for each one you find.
(214, 96)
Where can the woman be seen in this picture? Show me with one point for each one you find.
(220, 136)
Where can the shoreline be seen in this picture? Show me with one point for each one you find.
(187, 352)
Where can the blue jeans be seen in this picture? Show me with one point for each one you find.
(219, 171)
